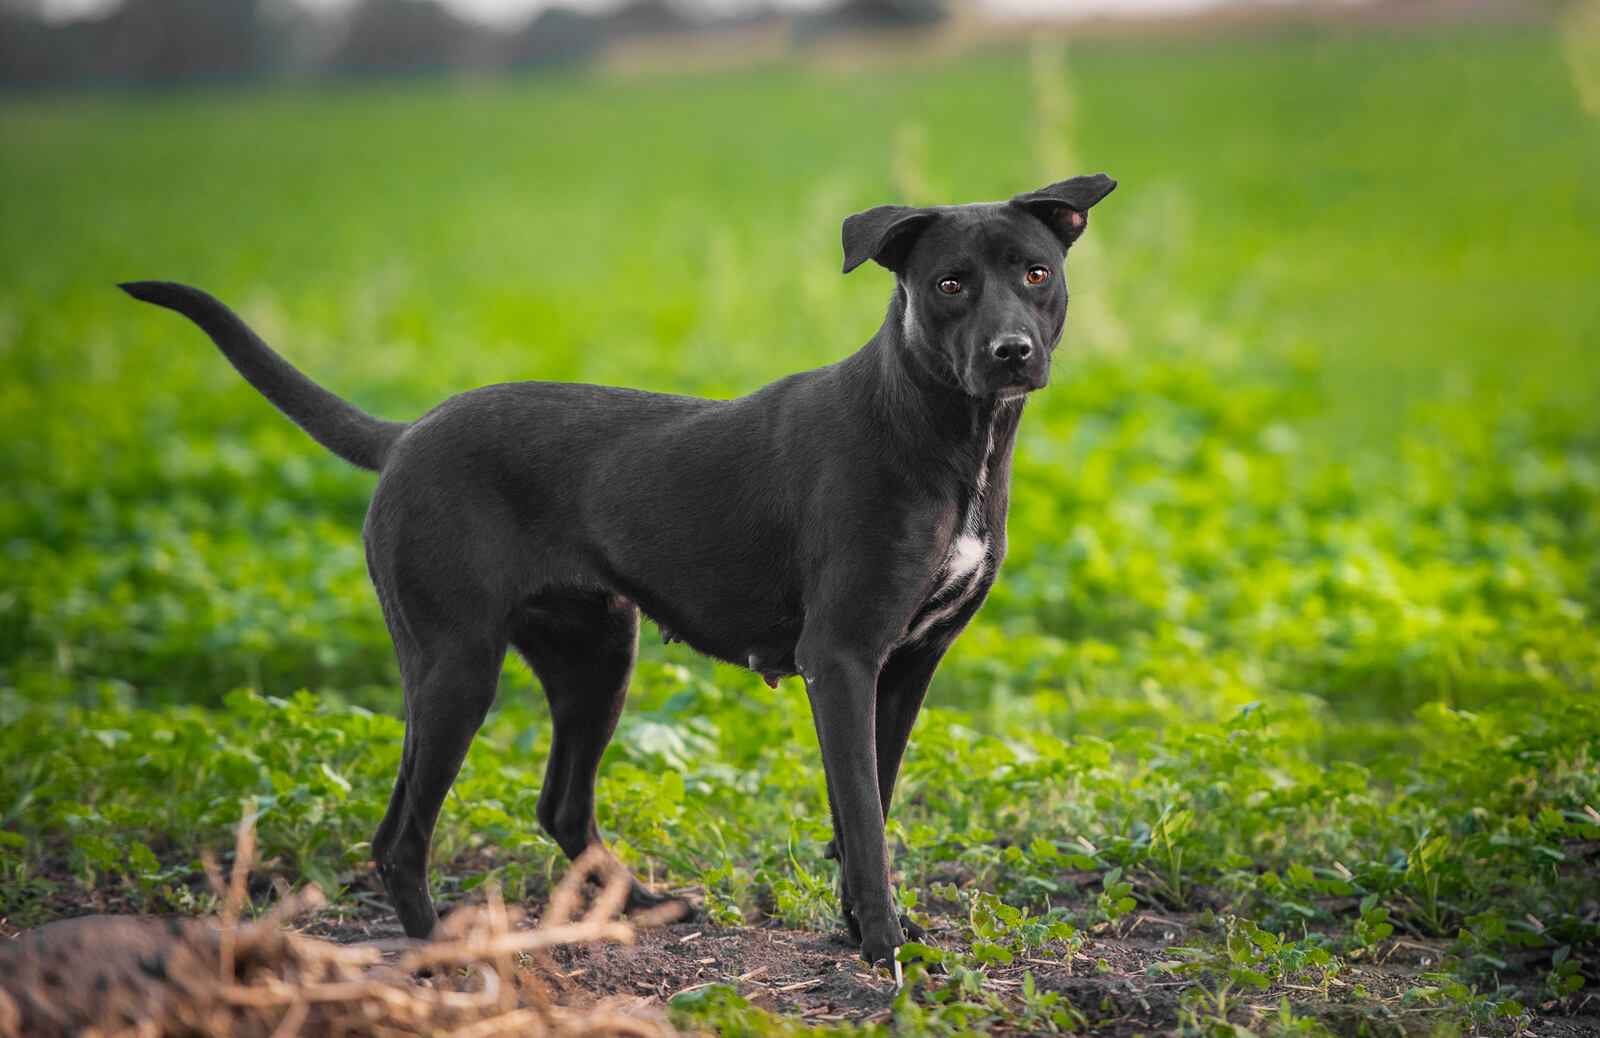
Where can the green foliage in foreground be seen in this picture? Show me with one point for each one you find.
(1297, 634)
(1303, 865)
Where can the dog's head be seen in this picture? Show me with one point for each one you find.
(983, 292)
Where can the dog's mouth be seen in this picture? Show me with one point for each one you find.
(1011, 392)
(1005, 386)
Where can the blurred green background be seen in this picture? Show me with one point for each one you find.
(1327, 393)
(1323, 440)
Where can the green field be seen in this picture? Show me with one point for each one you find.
(1295, 647)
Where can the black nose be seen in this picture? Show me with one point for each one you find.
(1009, 348)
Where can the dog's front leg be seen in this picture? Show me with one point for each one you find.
(842, 686)
(902, 685)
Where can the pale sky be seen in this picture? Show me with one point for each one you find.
(509, 12)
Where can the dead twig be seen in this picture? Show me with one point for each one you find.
(148, 978)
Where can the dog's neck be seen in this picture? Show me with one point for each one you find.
(930, 420)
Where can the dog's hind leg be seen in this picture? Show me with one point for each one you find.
(449, 689)
(582, 647)
(389, 828)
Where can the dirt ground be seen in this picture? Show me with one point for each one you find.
(815, 975)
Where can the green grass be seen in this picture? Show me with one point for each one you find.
(1298, 625)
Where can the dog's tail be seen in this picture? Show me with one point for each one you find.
(337, 424)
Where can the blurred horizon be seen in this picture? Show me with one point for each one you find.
(510, 13)
(121, 43)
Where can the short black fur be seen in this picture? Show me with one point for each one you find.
(842, 524)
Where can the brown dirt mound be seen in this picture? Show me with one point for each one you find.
(149, 977)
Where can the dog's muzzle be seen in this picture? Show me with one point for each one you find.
(1013, 363)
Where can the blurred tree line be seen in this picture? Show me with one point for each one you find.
(214, 41)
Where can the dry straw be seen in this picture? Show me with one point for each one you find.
(140, 977)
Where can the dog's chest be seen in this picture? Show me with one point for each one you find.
(960, 574)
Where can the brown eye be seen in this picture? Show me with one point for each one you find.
(1037, 275)
(950, 286)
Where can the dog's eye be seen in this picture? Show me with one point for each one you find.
(1037, 275)
(950, 286)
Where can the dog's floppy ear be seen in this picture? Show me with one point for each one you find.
(1064, 207)
(885, 234)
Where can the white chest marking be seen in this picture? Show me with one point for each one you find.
(958, 577)
(966, 556)
(965, 563)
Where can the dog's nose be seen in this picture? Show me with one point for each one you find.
(1011, 348)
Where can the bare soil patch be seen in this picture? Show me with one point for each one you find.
(813, 975)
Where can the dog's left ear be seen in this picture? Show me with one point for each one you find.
(1064, 207)
(885, 234)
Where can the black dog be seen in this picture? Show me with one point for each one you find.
(842, 524)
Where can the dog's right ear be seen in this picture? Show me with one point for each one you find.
(885, 233)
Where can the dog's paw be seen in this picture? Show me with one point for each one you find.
(881, 949)
(878, 942)
(663, 908)
(847, 915)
